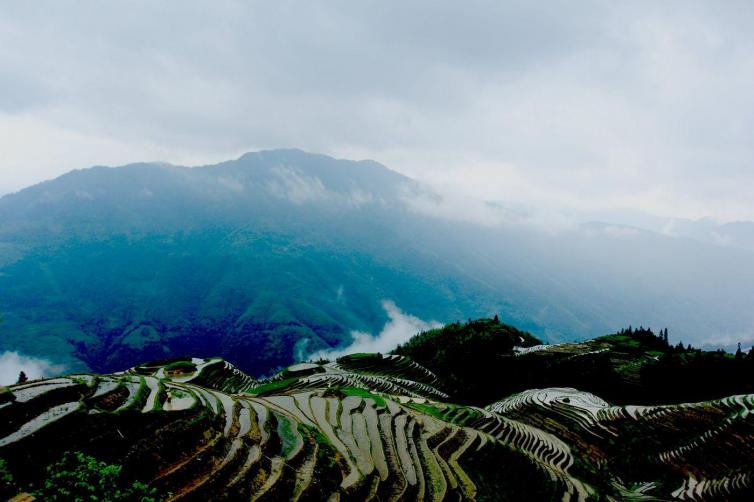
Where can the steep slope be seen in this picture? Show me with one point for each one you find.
(275, 254)
(369, 427)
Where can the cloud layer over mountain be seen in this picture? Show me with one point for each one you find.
(589, 106)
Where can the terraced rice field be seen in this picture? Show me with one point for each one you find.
(379, 430)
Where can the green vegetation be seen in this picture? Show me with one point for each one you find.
(140, 396)
(360, 356)
(178, 393)
(427, 409)
(162, 394)
(5, 395)
(470, 356)
(309, 438)
(327, 456)
(356, 391)
(125, 281)
(650, 369)
(248, 275)
(83, 381)
(7, 482)
(633, 366)
(80, 477)
(271, 387)
(181, 366)
(287, 435)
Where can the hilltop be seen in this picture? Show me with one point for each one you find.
(371, 426)
(485, 359)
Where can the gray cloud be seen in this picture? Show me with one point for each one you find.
(12, 363)
(590, 106)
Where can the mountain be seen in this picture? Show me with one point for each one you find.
(257, 259)
(737, 234)
(279, 254)
(369, 426)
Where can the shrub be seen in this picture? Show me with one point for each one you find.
(80, 477)
(7, 484)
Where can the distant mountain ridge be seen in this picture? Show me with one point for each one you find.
(279, 254)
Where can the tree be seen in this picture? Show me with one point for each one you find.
(496, 319)
(739, 353)
(22, 378)
(8, 486)
(80, 477)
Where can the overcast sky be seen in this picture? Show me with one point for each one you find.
(583, 105)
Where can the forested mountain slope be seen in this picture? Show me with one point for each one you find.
(279, 254)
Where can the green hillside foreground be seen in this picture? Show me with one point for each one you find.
(374, 426)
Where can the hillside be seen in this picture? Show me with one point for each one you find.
(260, 260)
(365, 426)
(486, 359)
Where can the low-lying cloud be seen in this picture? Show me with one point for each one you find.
(13, 363)
(399, 328)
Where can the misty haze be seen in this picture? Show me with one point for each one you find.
(376, 251)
